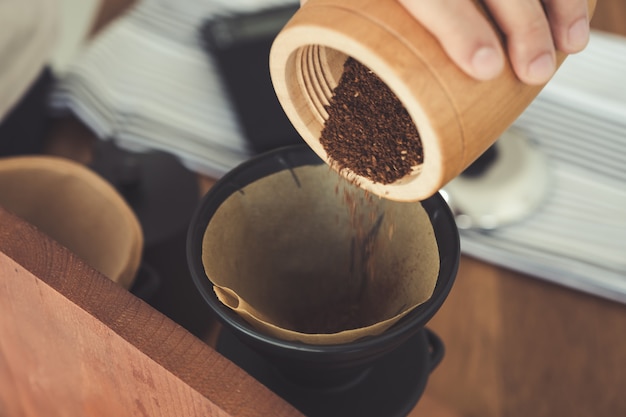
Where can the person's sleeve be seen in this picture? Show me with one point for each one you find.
(28, 32)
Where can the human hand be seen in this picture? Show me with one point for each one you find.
(532, 29)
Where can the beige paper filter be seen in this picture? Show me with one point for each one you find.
(77, 208)
(303, 255)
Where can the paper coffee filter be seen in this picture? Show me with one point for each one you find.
(287, 254)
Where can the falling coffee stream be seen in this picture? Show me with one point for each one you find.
(369, 132)
(363, 243)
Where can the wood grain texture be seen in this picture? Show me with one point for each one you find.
(57, 360)
(519, 346)
(74, 342)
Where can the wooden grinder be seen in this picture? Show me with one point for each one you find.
(457, 117)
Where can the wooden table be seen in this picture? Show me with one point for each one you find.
(73, 343)
(515, 345)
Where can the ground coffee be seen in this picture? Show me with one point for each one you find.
(368, 130)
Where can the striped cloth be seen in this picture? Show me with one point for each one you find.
(146, 83)
(578, 237)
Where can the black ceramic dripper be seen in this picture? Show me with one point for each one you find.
(384, 374)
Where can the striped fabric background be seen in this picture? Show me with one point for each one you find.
(147, 84)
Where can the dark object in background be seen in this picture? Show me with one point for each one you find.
(23, 129)
(482, 163)
(163, 194)
(241, 46)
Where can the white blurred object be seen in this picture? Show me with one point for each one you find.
(510, 189)
(76, 17)
(28, 32)
(577, 237)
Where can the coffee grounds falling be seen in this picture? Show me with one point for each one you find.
(368, 130)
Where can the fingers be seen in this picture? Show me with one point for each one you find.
(463, 33)
(569, 20)
(528, 38)
(531, 34)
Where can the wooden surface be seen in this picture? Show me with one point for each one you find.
(515, 345)
(73, 343)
